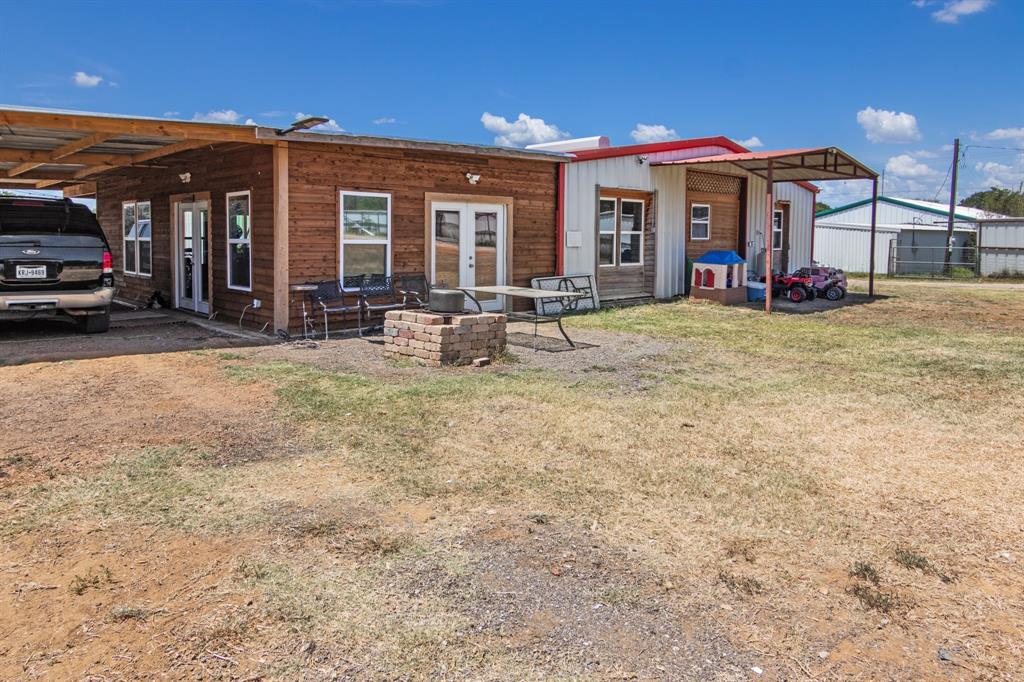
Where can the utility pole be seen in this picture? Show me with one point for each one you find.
(952, 206)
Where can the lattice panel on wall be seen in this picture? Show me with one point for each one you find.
(712, 183)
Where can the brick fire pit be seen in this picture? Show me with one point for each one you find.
(435, 340)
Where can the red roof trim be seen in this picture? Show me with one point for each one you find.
(654, 147)
(744, 155)
(670, 146)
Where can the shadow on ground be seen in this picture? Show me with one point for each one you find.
(132, 332)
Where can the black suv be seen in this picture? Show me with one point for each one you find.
(54, 260)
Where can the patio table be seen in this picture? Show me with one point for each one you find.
(563, 297)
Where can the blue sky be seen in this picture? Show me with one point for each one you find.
(890, 82)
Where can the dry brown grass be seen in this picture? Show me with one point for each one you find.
(746, 492)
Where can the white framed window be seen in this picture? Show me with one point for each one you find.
(700, 222)
(239, 241)
(606, 222)
(137, 238)
(776, 230)
(631, 232)
(365, 243)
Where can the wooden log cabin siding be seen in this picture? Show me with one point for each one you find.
(215, 171)
(629, 281)
(317, 173)
(722, 193)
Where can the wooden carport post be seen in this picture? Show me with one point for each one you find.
(768, 213)
(281, 271)
(871, 258)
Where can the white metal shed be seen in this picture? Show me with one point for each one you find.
(1001, 246)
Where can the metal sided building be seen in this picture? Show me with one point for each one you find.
(632, 215)
(911, 236)
(1001, 247)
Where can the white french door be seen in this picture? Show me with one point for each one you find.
(468, 247)
(192, 256)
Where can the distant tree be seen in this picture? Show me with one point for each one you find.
(820, 206)
(997, 200)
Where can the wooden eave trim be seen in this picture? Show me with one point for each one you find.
(142, 157)
(82, 189)
(128, 126)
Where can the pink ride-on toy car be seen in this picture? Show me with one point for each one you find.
(828, 282)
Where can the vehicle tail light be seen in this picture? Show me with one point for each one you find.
(108, 263)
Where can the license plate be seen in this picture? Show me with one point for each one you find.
(30, 272)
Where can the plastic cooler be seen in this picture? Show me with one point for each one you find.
(755, 291)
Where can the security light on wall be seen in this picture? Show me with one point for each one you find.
(304, 124)
(473, 178)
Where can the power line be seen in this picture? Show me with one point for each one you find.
(985, 146)
(939, 190)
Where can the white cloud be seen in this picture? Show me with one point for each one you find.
(923, 154)
(752, 142)
(522, 131)
(906, 166)
(881, 125)
(218, 116)
(85, 80)
(384, 120)
(841, 192)
(952, 10)
(1016, 134)
(251, 122)
(1000, 174)
(331, 126)
(171, 114)
(644, 132)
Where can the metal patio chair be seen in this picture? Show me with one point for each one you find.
(379, 288)
(567, 284)
(330, 298)
(415, 290)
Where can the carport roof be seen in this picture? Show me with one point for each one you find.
(790, 165)
(61, 149)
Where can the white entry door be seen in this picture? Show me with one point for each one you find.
(468, 246)
(192, 257)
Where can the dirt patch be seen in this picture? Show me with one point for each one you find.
(562, 603)
(625, 361)
(104, 606)
(65, 417)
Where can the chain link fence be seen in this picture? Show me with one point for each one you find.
(930, 261)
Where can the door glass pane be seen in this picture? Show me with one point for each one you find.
(607, 215)
(204, 256)
(485, 253)
(186, 254)
(629, 248)
(606, 251)
(632, 216)
(447, 226)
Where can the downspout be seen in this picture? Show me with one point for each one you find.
(560, 223)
